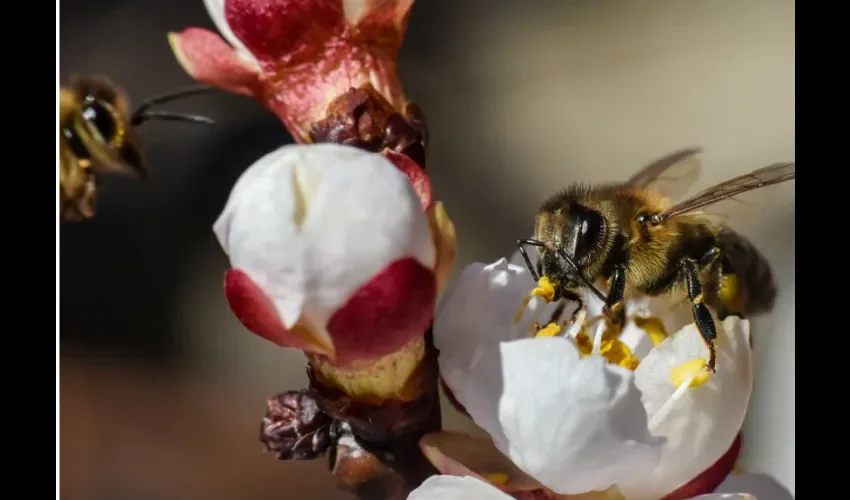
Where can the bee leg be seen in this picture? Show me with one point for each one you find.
(709, 258)
(613, 309)
(725, 291)
(573, 297)
(702, 317)
(521, 245)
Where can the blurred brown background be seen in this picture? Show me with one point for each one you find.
(162, 390)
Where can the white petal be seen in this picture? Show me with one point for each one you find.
(704, 422)
(760, 486)
(442, 487)
(215, 8)
(474, 315)
(573, 424)
(479, 308)
(525, 392)
(312, 223)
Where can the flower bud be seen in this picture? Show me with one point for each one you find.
(297, 58)
(294, 427)
(332, 253)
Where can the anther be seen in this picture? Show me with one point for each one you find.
(692, 372)
(544, 289)
(653, 327)
(549, 330)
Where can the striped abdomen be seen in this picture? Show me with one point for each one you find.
(747, 286)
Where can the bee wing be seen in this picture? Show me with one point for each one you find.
(670, 175)
(746, 194)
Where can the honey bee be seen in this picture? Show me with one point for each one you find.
(97, 134)
(635, 238)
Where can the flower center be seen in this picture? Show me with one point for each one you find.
(606, 343)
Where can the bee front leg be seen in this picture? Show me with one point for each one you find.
(613, 308)
(702, 317)
(569, 295)
(521, 246)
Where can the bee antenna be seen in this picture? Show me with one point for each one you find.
(537, 243)
(172, 96)
(139, 118)
(564, 255)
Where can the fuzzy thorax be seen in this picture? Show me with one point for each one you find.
(390, 377)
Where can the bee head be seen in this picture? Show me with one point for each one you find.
(576, 230)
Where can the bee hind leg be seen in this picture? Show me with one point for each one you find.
(702, 317)
(725, 291)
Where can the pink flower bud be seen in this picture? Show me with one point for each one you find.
(331, 253)
(297, 56)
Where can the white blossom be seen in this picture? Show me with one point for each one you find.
(736, 487)
(578, 424)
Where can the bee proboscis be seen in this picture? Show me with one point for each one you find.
(97, 134)
(632, 235)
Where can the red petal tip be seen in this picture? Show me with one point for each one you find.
(416, 174)
(253, 308)
(710, 479)
(209, 59)
(386, 313)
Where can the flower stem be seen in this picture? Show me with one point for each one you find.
(375, 453)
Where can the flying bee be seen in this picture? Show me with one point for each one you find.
(633, 236)
(97, 134)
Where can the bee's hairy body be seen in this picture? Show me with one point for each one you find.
(97, 133)
(94, 135)
(608, 229)
(635, 238)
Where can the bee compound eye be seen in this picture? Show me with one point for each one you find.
(74, 143)
(590, 229)
(101, 118)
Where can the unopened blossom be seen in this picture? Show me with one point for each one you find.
(297, 57)
(444, 487)
(577, 407)
(332, 253)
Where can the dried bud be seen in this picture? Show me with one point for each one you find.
(362, 117)
(294, 427)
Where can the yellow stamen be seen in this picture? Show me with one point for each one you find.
(630, 362)
(499, 478)
(653, 327)
(613, 350)
(584, 344)
(545, 289)
(693, 370)
(549, 330)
